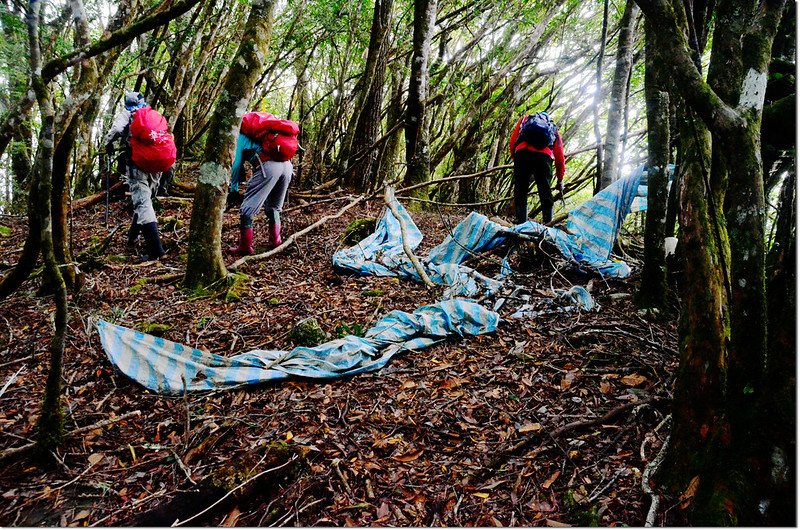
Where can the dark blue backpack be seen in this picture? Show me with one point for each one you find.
(538, 131)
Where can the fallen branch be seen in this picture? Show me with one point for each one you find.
(389, 198)
(292, 238)
(234, 490)
(100, 196)
(526, 442)
(651, 468)
(15, 451)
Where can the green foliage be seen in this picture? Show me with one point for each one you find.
(5, 231)
(342, 330)
(372, 293)
(237, 287)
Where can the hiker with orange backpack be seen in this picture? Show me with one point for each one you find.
(148, 151)
(535, 145)
(268, 143)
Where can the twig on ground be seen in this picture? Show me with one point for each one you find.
(14, 451)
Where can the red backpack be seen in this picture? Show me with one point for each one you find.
(278, 138)
(152, 146)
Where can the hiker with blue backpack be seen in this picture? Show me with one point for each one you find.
(535, 145)
(268, 143)
(148, 151)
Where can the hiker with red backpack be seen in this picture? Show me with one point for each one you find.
(148, 151)
(535, 144)
(268, 143)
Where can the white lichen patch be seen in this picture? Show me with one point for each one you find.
(241, 107)
(213, 174)
(753, 89)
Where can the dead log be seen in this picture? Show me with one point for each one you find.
(226, 487)
(100, 196)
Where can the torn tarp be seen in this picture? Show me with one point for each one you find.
(591, 231)
(168, 367)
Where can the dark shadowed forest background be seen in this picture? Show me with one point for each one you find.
(675, 403)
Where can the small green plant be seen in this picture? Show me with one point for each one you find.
(342, 330)
(203, 322)
(273, 301)
(237, 287)
(5, 231)
(372, 293)
(138, 285)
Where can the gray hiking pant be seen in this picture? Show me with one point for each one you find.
(143, 187)
(267, 187)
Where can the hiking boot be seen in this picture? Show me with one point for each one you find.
(274, 236)
(245, 247)
(133, 233)
(152, 240)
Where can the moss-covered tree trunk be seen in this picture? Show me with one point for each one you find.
(204, 265)
(50, 425)
(719, 441)
(417, 146)
(619, 85)
(653, 287)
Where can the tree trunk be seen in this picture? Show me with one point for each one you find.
(653, 286)
(361, 157)
(391, 147)
(719, 439)
(50, 425)
(204, 265)
(417, 147)
(598, 96)
(619, 86)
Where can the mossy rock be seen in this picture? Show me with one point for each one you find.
(358, 229)
(171, 224)
(308, 333)
(153, 328)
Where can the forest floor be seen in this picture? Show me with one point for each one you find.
(549, 421)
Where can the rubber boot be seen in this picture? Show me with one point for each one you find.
(245, 247)
(133, 232)
(153, 241)
(274, 236)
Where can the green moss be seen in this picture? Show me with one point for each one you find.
(117, 259)
(307, 332)
(273, 301)
(358, 229)
(371, 293)
(153, 328)
(138, 285)
(171, 224)
(237, 287)
(5, 231)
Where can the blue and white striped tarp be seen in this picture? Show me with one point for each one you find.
(591, 231)
(168, 367)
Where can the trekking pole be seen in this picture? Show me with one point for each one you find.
(561, 190)
(108, 175)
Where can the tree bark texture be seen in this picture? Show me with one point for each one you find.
(653, 287)
(718, 434)
(598, 96)
(361, 160)
(204, 265)
(619, 85)
(417, 146)
(50, 425)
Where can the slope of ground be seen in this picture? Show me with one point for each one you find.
(550, 421)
